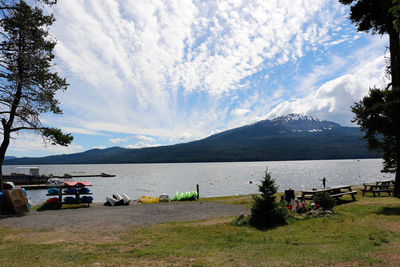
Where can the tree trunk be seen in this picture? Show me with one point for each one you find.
(7, 125)
(395, 59)
(3, 149)
(395, 75)
(396, 191)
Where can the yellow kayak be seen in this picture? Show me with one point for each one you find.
(146, 199)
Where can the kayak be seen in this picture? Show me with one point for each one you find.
(163, 198)
(71, 183)
(146, 199)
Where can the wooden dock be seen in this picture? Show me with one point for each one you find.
(85, 175)
(40, 186)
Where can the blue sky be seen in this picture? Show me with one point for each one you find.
(149, 73)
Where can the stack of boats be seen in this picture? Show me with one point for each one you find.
(117, 200)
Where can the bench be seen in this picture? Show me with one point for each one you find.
(377, 188)
(307, 195)
(352, 193)
(335, 192)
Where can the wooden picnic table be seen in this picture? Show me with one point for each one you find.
(335, 192)
(379, 187)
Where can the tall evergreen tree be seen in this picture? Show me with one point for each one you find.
(395, 10)
(378, 114)
(265, 211)
(27, 82)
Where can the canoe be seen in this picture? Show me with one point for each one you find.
(117, 200)
(111, 201)
(147, 199)
(125, 198)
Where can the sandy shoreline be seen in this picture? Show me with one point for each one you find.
(103, 218)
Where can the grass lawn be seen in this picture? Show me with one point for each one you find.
(361, 233)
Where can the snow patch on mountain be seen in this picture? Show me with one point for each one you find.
(303, 123)
(296, 117)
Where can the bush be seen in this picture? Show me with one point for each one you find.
(265, 211)
(49, 206)
(324, 199)
(241, 220)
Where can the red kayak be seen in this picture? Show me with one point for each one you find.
(77, 183)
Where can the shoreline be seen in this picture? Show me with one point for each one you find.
(107, 218)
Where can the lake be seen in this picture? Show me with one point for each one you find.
(214, 179)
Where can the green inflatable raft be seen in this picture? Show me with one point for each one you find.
(184, 196)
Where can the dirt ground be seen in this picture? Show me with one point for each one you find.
(102, 218)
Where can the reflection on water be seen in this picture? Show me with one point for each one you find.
(215, 179)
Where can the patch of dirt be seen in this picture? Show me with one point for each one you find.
(99, 219)
(391, 256)
(390, 226)
(56, 237)
(214, 221)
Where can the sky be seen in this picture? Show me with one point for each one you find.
(150, 73)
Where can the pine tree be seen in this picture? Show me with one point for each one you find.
(265, 211)
(27, 82)
(378, 114)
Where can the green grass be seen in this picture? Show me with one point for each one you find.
(235, 200)
(365, 232)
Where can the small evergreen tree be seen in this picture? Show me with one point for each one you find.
(265, 211)
(324, 199)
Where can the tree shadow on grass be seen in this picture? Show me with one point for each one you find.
(344, 201)
(389, 211)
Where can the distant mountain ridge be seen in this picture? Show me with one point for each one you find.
(290, 137)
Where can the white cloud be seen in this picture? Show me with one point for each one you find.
(142, 145)
(140, 67)
(333, 99)
(79, 131)
(144, 138)
(29, 142)
(118, 140)
(240, 111)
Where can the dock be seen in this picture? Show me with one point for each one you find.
(85, 175)
(40, 186)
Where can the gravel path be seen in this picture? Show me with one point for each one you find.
(99, 217)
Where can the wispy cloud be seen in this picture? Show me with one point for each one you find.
(28, 142)
(333, 99)
(155, 57)
(150, 72)
(118, 140)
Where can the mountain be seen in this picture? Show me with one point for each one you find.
(290, 137)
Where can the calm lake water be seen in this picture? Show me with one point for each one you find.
(214, 179)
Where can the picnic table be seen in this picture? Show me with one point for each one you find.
(379, 187)
(335, 192)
